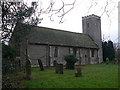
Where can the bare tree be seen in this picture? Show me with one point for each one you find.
(14, 12)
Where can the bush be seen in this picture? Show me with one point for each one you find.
(71, 60)
(8, 56)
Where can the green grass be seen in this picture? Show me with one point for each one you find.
(94, 76)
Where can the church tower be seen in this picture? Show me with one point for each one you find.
(92, 26)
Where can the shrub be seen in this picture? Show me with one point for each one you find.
(8, 56)
(71, 60)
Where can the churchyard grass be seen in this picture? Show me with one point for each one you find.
(93, 76)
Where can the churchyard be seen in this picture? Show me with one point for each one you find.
(93, 76)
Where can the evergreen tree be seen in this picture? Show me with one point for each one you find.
(111, 53)
(108, 50)
(105, 51)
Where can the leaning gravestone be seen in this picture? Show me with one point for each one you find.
(79, 72)
(41, 65)
(28, 69)
(59, 68)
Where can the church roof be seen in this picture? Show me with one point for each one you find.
(43, 35)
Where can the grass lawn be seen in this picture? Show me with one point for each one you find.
(94, 76)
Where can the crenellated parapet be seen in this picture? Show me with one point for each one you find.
(91, 16)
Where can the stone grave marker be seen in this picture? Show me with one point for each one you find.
(41, 65)
(59, 68)
(79, 72)
(28, 69)
(107, 60)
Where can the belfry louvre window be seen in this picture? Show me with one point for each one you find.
(88, 24)
(56, 52)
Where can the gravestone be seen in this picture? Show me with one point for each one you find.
(54, 63)
(79, 72)
(113, 61)
(107, 60)
(59, 68)
(40, 65)
(28, 69)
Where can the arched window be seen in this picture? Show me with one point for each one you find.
(92, 52)
(74, 51)
(56, 52)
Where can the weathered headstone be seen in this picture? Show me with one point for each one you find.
(113, 61)
(59, 68)
(107, 60)
(79, 72)
(28, 69)
(54, 63)
(41, 65)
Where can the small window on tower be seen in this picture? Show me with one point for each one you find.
(87, 24)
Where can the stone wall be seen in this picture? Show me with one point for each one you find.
(61, 52)
(36, 52)
(40, 52)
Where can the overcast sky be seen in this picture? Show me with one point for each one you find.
(73, 20)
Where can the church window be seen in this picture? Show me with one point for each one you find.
(93, 52)
(74, 51)
(56, 52)
(69, 50)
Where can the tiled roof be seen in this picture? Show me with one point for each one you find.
(43, 35)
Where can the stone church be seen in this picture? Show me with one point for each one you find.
(50, 44)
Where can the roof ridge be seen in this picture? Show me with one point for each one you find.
(56, 37)
(61, 30)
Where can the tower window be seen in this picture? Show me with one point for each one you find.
(87, 24)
